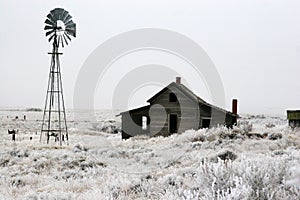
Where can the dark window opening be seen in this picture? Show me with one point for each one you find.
(172, 97)
(205, 123)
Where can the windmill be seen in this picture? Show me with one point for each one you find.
(59, 28)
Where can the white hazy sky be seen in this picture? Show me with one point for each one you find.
(254, 44)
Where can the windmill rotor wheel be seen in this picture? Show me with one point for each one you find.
(60, 27)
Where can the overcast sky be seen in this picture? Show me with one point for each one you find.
(255, 46)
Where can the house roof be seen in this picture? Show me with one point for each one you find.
(147, 107)
(189, 93)
(184, 90)
(181, 87)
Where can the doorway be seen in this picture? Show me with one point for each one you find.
(173, 123)
(205, 123)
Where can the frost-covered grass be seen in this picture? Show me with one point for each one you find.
(249, 161)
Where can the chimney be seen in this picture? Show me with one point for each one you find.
(178, 80)
(234, 106)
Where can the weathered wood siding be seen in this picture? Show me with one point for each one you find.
(216, 116)
(293, 114)
(185, 108)
(294, 118)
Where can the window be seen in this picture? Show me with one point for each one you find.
(144, 122)
(172, 97)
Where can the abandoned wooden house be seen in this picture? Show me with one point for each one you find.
(294, 118)
(182, 110)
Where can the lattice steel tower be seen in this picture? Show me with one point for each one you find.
(59, 27)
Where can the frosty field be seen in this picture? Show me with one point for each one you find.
(258, 159)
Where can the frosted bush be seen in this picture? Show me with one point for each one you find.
(275, 136)
(4, 160)
(108, 126)
(43, 164)
(246, 179)
(79, 148)
(270, 125)
(172, 180)
(224, 155)
(245, 126)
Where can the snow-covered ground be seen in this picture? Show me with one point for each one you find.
(259, 159)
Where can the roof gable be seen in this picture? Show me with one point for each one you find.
(189, 94)
(180, 87)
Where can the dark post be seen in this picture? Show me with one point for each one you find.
(234, 106)
(178, 80)
(234, 109)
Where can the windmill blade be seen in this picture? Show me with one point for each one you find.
(50, 17)
(53, 11)
(67, 19)
(60, 13)
(50, 38)
(70, 29)
(69, 23)
(67, 36)
(54, 15)
(57, 13)
(71, 32)
(51, 23)
(59, 10)
(71, 26)
(64, 15)
(62, 41)
(65, 39)
(48, 27)
(50, 32)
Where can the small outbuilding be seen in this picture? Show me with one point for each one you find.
(294, 118)
(174, 109)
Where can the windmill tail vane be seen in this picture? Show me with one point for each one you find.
(59, 28)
